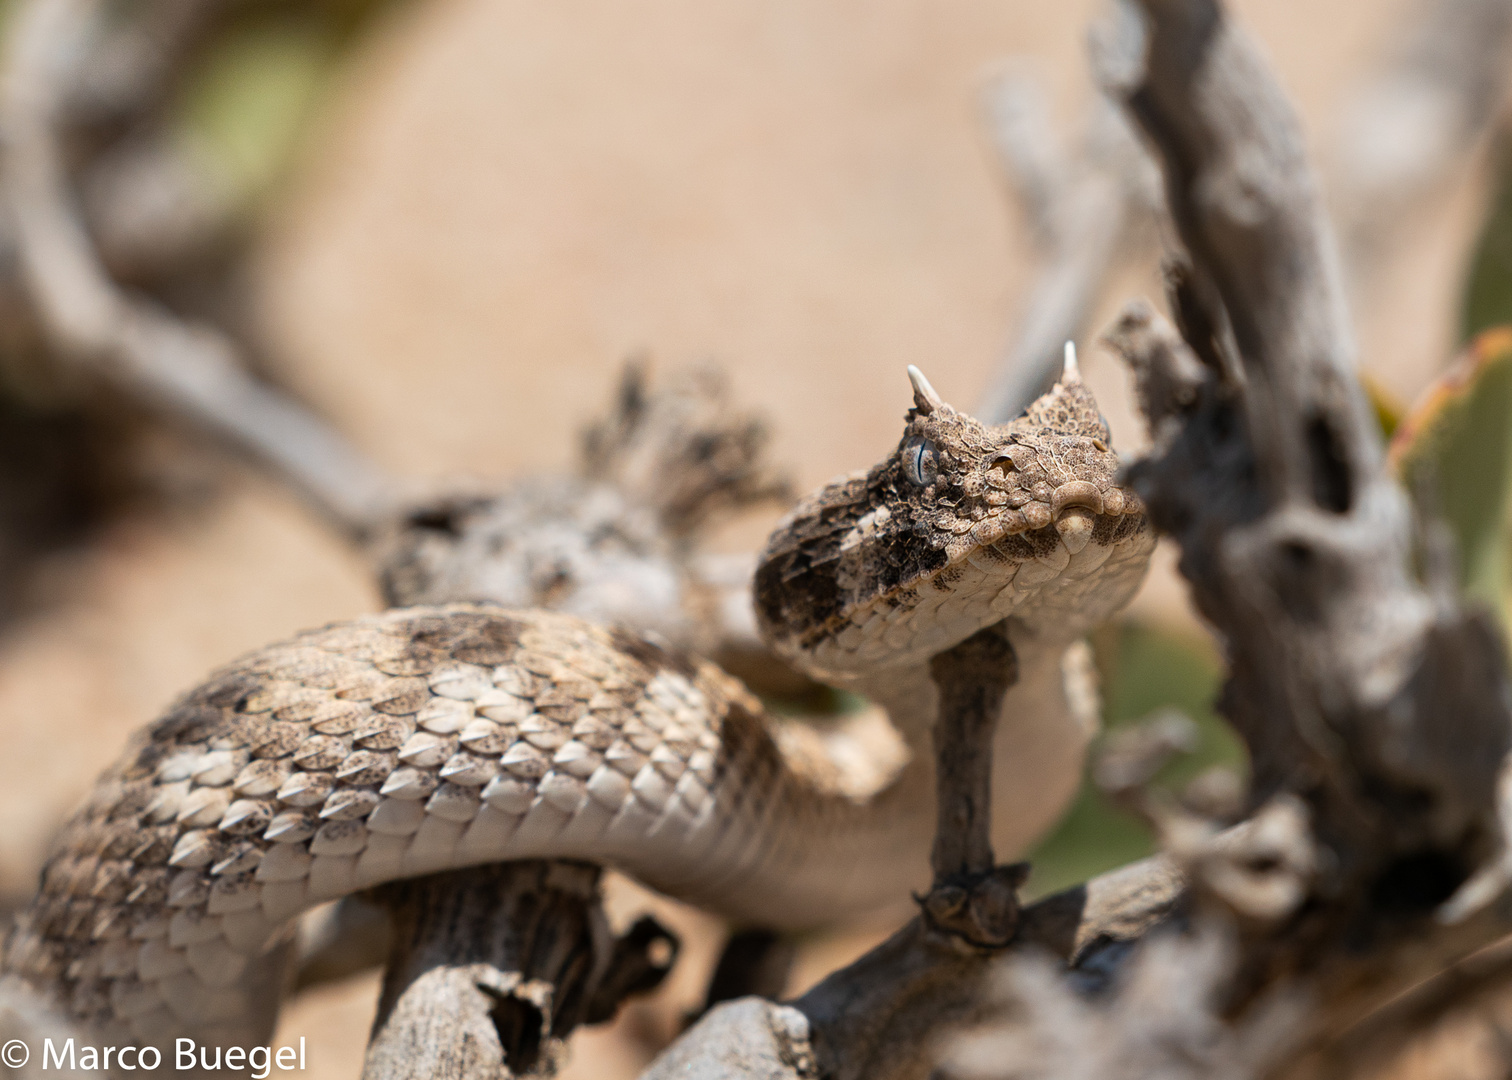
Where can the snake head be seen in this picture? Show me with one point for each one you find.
(962, 525)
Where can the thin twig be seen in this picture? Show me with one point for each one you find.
(972, 678)
(971, 896)
(191, 374)
(1413, 124)
(1083, 206)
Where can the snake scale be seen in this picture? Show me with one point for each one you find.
(429, 738)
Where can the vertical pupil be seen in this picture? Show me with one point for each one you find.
(920, 463)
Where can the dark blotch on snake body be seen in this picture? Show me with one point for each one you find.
(653, 655)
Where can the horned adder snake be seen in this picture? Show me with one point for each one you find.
(428, 738)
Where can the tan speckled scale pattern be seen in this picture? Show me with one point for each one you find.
(397, 745)
(1025, 518)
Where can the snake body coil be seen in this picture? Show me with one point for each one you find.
(425, 739)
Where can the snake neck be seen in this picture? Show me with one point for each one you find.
(1038, 698)
(875, 841)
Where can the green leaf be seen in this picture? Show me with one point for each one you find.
(1387, 409)
(1488, 294)
(245, 106)
(1460, 432)
(1144, 669)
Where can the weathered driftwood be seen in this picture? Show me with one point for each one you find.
(1376, 711)
(1411, 125)
(1378, 703)
(491, 969)
(885, 1015)
(971, 896)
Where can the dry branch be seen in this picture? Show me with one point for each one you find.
(1413, 124)
(493, 967)
(1376, 714)
(189, 374)
(1083, 205)
(1408, 128)
(971, 896)
(1296, 541)
(881, 1018)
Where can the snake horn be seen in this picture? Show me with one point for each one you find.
(926, 398)
(1071, 373)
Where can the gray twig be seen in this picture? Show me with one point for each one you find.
(1415, 121)
(1082, 204)
(972, 678)
(191, 374)
(971, 896)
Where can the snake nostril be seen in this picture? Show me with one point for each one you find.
(1012, 459)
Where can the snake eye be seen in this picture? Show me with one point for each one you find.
(920, 461)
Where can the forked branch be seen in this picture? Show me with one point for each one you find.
(1376, 713)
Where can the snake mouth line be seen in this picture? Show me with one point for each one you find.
(1075, 525)
(1030, 558)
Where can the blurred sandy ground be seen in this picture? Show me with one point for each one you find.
(505, 199)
